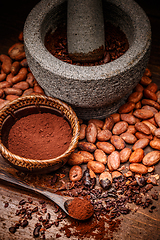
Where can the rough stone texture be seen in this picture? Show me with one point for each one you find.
(85, 30)
(91, 91)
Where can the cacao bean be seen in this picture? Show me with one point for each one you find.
(116, 174)
(96, 167)
(158, 96)
(130, 119)
(135, 97)
(105, 180)
(128, 138)
(116, 117)
(131, 129)
(38, 89)
(109, 123)
(75, 159)
(149, 94)
(21, 76)
(2, 76)
(113, 161)
(75, 173)
(6, 63)
(106, 147)
(145, 81)
(104, 135)
(139, 88)
(120, 127)
(30, 79)
(89, 178)
(155, 144)
(147, 72)
(23, 85)
(117, 142)
(142, 127)
(28, 91)
(140, 135)
(141, 143)
(97, 122)
(157, 118)
(137, 156)
(82, 134)
(91, 133)
(157, 133)
(125, 154)
(15, 68)
(151, 103)
(5, 84)
(15, 50)
(11, 97)
(138, 105)
(86, 146)
(151, 158)
(127, 107)
(143, 113)
(13, 91)
(87, 156)
(152, 87)
(100, 156)
(150, 125)
(153, 109)
(138, 168)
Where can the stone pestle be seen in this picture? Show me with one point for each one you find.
(85, 30)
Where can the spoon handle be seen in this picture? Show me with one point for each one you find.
(10, 179)
(59, 200)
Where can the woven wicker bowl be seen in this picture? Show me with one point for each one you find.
(24, 106)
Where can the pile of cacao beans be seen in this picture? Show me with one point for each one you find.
(16, 78)
(105, 145)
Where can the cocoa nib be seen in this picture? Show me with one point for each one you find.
(22, 202)
(155, 196)
(36, 231)
(12, 229)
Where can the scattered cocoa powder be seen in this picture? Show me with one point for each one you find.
(93, 228)
(40, 136)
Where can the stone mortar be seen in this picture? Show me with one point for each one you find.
(97, 91)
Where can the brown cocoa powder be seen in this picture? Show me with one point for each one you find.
(40, 136)
(98, 229)
(80, 208)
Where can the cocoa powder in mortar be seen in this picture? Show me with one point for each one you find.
(116, 44)
(40, 136)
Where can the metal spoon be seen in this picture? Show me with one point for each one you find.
(62, 201)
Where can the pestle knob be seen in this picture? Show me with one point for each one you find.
(85, 30)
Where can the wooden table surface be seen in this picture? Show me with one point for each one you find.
(140, 225)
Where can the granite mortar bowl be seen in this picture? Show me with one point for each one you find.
(25, 106)
(96, 91)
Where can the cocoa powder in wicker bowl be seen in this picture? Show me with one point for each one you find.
(40, 136)
(38, 133)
